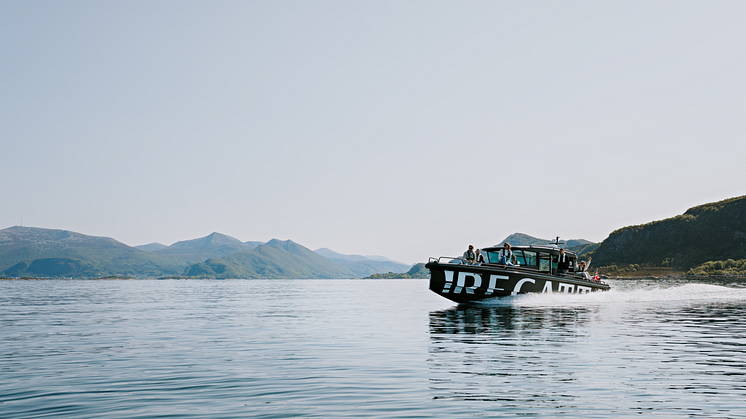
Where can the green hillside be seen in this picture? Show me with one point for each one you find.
(214, 245)
(275, 259)
(30, 251)
(708, 239)
(417, 271)
(720, 267)
(710, 232)
(47, 253)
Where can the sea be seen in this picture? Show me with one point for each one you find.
(317, 348)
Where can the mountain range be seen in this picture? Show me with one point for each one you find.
(39, 252)
(214, 245)
(709, 237)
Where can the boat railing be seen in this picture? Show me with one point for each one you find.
(450, 259)
(459, 260)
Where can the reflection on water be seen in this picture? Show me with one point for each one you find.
(675, 350)
(490, 353)
(500, 321)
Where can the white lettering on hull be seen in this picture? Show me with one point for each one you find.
(520, 283)
(493, 283)
(566, 288)
(449, 282)
(547, 288)
(461, 282)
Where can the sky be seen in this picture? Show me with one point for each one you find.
(406, 129)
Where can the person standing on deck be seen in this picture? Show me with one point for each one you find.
(563, 261)
(470, 256)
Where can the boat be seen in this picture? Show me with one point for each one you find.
(533, 271)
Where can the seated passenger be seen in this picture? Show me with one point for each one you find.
(506, 255)
(480, 257)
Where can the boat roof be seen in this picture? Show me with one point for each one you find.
(552, 249)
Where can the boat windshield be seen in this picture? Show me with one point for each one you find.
(517, 259)
(545, 262)
(529, 258)
(493, 257)
(525, 258)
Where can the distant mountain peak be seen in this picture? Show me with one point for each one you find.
(210, 239)
(338, 257)
(151, 247)
(32, 251)
(288, 245)
(213, 245)
(22, 236)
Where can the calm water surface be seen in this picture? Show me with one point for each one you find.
(368, 348)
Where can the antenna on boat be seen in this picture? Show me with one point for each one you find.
(557, 242)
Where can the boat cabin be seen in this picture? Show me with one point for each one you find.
(534, 257)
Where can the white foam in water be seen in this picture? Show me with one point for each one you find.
(687, 292)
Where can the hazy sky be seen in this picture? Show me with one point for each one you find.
(405, 129)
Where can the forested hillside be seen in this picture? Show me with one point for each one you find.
(709, 232)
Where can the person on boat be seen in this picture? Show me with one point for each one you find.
(506, 255)
(563, 262)
(480, 257)
(469, 255)
(583, 267)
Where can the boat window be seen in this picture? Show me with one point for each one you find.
(545, 262)
(493, 257)
(518, 258)
(530, 258)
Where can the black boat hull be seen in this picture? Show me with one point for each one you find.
(470, 283)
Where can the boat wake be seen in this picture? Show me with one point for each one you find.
(641, 293)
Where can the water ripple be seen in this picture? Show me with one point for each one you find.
(360, 348)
